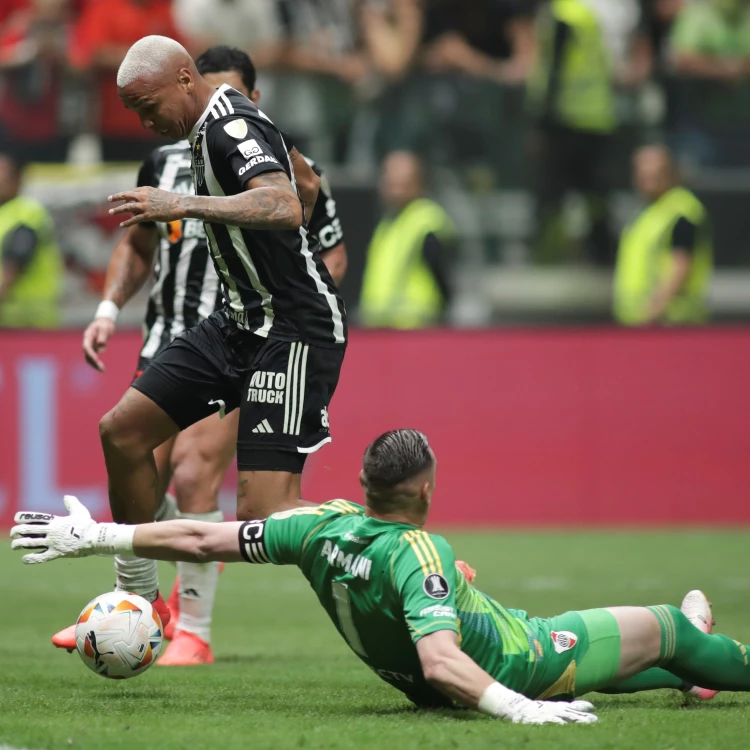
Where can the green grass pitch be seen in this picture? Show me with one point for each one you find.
(284, 679)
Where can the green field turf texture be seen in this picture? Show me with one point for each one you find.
(284, 678)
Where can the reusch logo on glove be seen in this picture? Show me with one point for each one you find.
(25, 516)
(563, 640)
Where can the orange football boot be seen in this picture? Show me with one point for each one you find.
(186, 650)
(174, 606)
(67, 638)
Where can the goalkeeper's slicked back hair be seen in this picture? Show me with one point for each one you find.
(394, 458)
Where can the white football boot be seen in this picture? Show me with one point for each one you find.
(696, 607)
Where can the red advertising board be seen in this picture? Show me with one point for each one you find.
(555, 427)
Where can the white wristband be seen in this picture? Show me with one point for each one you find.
(113, 539)
(107, 309)
(498, 700)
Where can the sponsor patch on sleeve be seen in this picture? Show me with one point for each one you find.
(250, 148)
(263, 159)
(237, 129)
(435, 586)
(438, 610)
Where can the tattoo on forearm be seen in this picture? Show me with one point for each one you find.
(271, 203)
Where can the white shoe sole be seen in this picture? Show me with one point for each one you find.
(696, 607)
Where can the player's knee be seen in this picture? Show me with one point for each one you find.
(251, 505)
(261, 493)
(118, 433)
(258, 505)
(248, 510)
(257, 511)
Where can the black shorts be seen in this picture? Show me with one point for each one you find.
(282, 389)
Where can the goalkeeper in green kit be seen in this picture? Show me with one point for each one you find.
(395, 595)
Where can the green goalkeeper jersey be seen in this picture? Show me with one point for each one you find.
(386, 585)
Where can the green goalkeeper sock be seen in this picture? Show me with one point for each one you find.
(651, 679)
(711, 661)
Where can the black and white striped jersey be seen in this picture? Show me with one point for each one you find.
(325, 224)
(274, 282)
(186, 288)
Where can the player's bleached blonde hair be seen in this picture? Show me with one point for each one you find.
(148, 57)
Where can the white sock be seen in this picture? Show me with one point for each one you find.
(137, 575)
(198, 584)
(167, 510)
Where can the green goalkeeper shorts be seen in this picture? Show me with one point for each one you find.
(581, 653)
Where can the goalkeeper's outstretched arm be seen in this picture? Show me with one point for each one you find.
(188, 541)
(454, 673)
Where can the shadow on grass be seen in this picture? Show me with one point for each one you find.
(667, 703)
(406, 711)
(239, 659)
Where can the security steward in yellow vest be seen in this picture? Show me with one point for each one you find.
(571, 98)
(665, 258)
(406, 282)
(31, 270)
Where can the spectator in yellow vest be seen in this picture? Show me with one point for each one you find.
(585, 49)
(664, 262)
(406, 281)
(31, 269)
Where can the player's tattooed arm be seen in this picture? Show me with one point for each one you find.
(268, 202)
(147, 204)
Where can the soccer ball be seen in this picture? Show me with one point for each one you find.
(118, 635)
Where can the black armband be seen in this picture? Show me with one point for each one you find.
(252, 543)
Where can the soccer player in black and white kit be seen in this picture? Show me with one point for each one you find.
(186, 291)
(274, 349)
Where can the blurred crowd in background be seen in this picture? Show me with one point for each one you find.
(522, 117)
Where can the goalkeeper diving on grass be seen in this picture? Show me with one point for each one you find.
(394, 593)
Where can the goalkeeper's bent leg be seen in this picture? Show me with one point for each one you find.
(651, 679)
(714, 661)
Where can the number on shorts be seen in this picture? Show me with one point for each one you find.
(344, 612)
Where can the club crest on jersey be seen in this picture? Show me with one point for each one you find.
(250, 148)
(435, 586)
(563, 640)
(198, 165)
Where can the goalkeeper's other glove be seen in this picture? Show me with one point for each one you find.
(505, 703)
